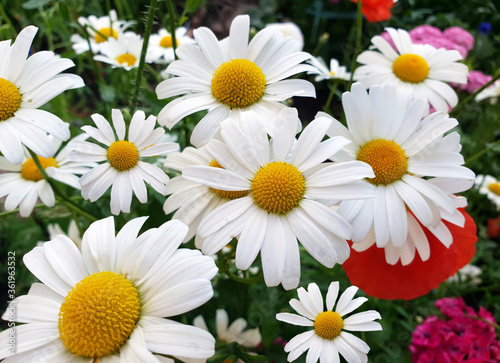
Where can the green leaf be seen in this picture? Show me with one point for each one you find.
(35, 4)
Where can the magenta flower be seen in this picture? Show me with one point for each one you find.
(459, 36)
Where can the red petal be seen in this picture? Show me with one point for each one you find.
(376, 10)
(369, 271)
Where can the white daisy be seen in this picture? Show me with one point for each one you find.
(160, 47)
(193, 201)
(490, 186)
(417, 171)
(329, 337)
(469, 273)
(122, 167)
(73, 233)
(492, 92)
(323, 72)
(99, 31)
(282, 204)
(417, 69)
(124, 52)
(291, 30)
(232, 76)
(107, 302)
(233, 333)
(25, 85)
(23, 184)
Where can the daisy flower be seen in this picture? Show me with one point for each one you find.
(121, 167)
(329, 337)
(280, 190)
(25, 85)
(107, 302)
(323, 72)
(99, 31)
(193, 201)
(489, 186)
(417, 69)
(124, 52)
(492, 92)
(160, 47)
(290, 30)
(232, 76)
(417, 171)
(73, 233)
(233, 333)
(23, 184)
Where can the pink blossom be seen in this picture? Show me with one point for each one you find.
(460, 36)
(424, 32)
(475, 80)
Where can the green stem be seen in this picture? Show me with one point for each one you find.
(243, 280)
(68, 203)
(481, 153)
(474, 94)
(326, 108)
(173, 21)
(91, 58)
(359, 29)
(497, 327)
(7, 20)
(15, 211)
(147, 33)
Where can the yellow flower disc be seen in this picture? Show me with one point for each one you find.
(328, 325)
(494, 188)
(29, 171)
(98, 315)
(227, 194)
(123, 155)
(410, 68)
(387, 159)
(10, 99)
(126, 58)
(107, 32)
(238, 83)
(166, 42)
(278, 187)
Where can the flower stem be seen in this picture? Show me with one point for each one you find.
(173, 21)
(481, 153)
(251, 280)
(147, 33)
(474, 94)
(359, 29)
(326, 108)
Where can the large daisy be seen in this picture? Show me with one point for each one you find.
(329, 338)
(121, 167)
(417, 69)
(25, 85)
(417, 171)
(285, 190)
(23, 184)
(107, 302)
(231, 76)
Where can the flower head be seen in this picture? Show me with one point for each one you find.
(416, 69)
(489, 186)
(291, 30)
(160, 47)
(231, 76)
(376, 10)
(25, 85)
(323, 72)
(124, 52)
(109, 299)
(329, 336)
(492, 92)
(121, 159)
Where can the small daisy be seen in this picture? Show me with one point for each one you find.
(490, 186)
(417, 171)
(25, 85)
(281, 195)
(417, 69)
(469, 273)
(160, 47)
(193, 201)
(99, 31)
(231, 76)
(323, 72)
(492, 92)
(122, 167)
(23, 184)
(329, 337)
(235, 332)
(107, 302)
(124, 52)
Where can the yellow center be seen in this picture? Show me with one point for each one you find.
(494, 188)
(332, 74)
(98, 315)
(29, 171)
(123, 155)
(166, 42)
(328, 325)
(126, 58)
(227, 194)
(387, 159)
(410, 68)
(104, 34)
(10, 99)
(238, 83)
(278, 187)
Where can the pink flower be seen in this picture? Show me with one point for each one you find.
(424, 32)
(460, 36)
(475, 80)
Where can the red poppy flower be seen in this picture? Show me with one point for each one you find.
(376, 10)
(371, 273)
(494, 227)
